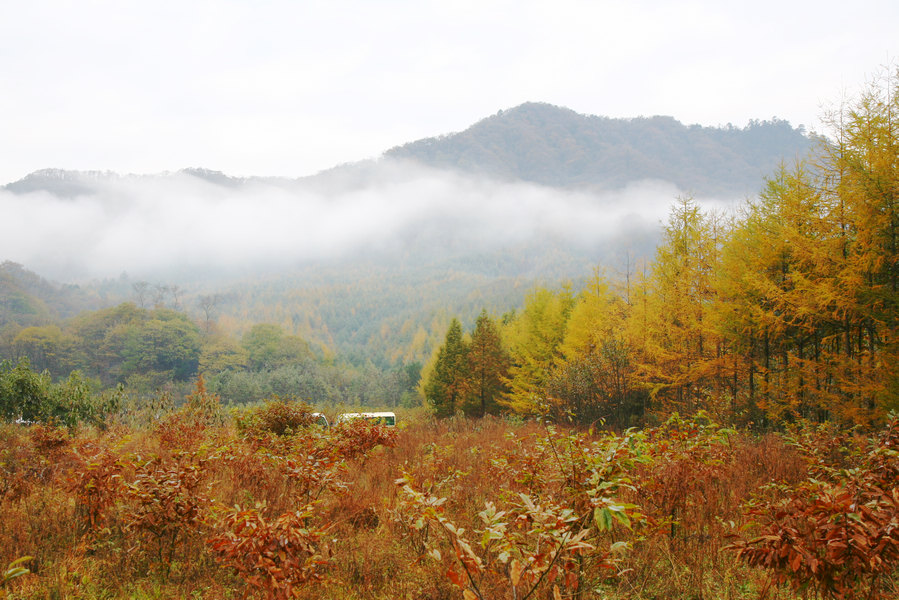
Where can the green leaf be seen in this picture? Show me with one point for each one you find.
(603, 519)
(619, 548)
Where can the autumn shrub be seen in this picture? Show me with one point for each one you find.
(525, 466)
(683, 478)
(189, 426)
(835, 535)
(356, 437)
(167, 504)
(180, 431)
(274, 557)
(552, 516)
(494, 508)
(373, 557)
(247, 473)
(203, 405)
(95, 481)
(455, 457)
(689, 477)
(279, 416)
(50, 441)
(514, 552)
(308, 461)
(20, 465)
(40, 525)
(36, 514)
(313, 469)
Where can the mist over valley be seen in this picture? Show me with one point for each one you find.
(437, 227)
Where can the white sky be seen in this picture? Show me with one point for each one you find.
(291, 87)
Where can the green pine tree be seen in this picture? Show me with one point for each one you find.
(488, 364)
(448, 383)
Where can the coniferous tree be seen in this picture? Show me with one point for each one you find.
(772, 296)
(448, 382)
(535, 336)
(865, 164)
(488, 363)
(807, 289)
(679, 347)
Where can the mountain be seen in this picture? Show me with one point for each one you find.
(61, 183)
(371, 259)
(558, 147)
(538, 143)
(71, 184)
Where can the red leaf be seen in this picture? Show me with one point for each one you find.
(456, 577)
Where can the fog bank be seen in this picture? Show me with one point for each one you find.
(150, 225)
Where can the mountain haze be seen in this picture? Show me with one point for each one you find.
(537, 143)
(558, 147)
(370, 259)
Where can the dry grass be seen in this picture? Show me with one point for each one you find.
(689, 482)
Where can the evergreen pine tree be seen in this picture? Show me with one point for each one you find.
(448, 382)
(488, 364)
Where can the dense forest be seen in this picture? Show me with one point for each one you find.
(146, 350)
(784, 311)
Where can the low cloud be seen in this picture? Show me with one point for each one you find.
(151, 225)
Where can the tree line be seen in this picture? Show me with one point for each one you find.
(786, 310)
(148, 350)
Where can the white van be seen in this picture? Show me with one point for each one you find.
(320, 419)
(380, 418)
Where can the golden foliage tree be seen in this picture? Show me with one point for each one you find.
(679, 349)
(534, 339)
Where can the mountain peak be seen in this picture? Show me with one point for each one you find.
(556, 146)
(214, 177)
(60, 182)
(545, 144)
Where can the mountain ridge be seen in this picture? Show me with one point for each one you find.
(539, 143)
(556, 146)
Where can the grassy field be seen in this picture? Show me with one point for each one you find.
(198, 504)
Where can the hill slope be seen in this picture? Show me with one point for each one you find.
(556, 146)
(538, 143)
(28, 299)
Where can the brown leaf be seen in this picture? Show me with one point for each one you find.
(515, 570)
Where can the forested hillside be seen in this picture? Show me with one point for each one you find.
(369, 261)
(556, 146)
(786, 311)
(540, 143)
(26, 298)
(365, 264)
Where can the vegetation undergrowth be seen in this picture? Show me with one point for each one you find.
(193, 506)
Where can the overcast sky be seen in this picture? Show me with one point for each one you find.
(256, 87)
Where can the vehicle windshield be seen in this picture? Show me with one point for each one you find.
(388, 419)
